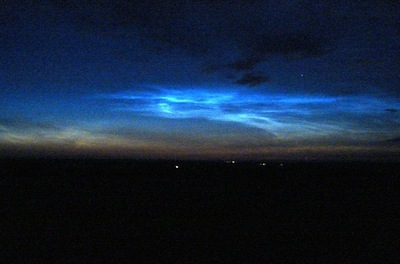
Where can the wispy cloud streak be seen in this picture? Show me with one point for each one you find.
(286, 116)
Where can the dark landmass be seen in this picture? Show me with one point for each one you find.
(83, 211)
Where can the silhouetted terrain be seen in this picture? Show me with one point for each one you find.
(82, 211)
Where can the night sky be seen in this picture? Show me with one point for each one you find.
(200, 79)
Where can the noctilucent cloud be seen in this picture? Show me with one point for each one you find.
(200, 79)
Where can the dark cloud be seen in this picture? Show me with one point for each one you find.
(391, 110)
(251, 79)
(240, 65)
(245, 64)
(293, 46)
(249, 30)
(197, 26)
(232, 70)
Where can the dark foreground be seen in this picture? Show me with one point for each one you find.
(84, 211)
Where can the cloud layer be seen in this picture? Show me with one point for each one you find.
(282, 116)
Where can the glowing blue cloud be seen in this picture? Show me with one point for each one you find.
(286, 116)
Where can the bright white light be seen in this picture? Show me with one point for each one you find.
(176, 167)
